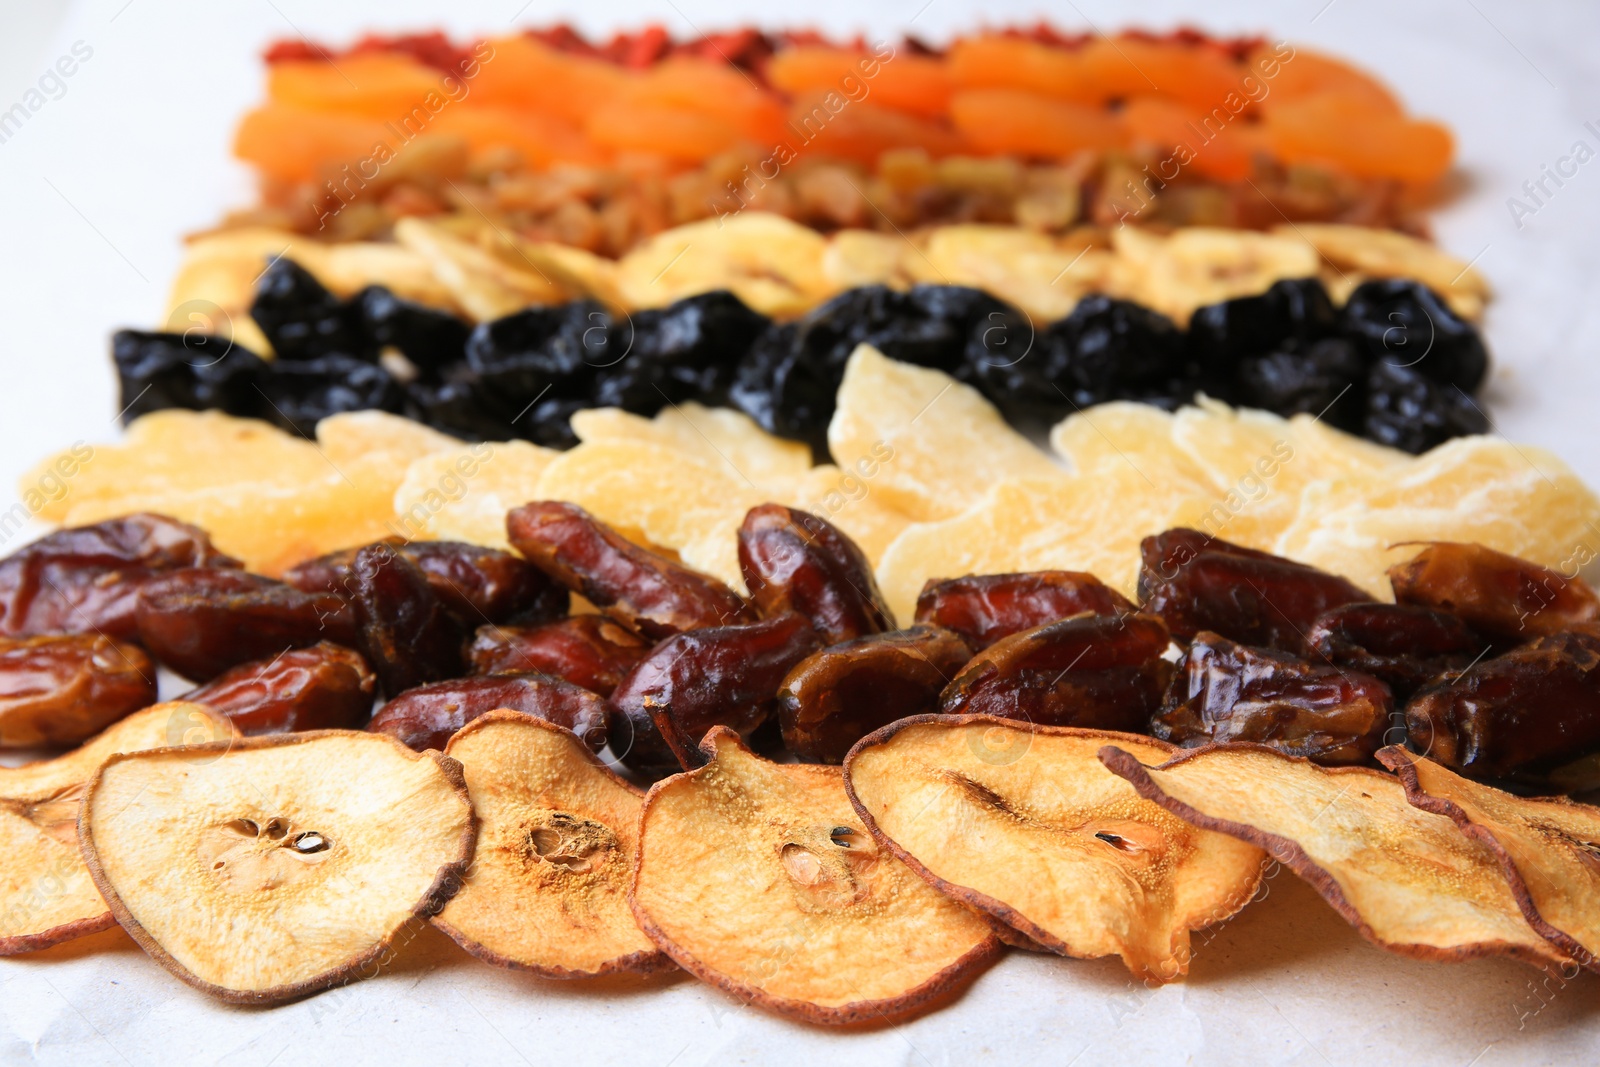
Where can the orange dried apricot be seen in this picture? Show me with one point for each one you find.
(375, 85)
(1000, 121)
(1015, 63)
(920, 85)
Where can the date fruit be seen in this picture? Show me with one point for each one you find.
(324, 687)
(1508, 599)
(65, 688)
(1099, 672)
(1404, 645)
(793, 560)
(641, 589)
(426, 717)
(406, 633)
(587, 650)
(835, 697)
(984, 608)
(1224, 691)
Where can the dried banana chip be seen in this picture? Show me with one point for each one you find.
(1199, 265)
(1023, 267)
(481, 284)
(771, 263)
(1391, 254)
(865, 257)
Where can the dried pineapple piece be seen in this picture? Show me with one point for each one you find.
(347, 437)
(463, 494)
(771, 263)
(1124, 434)
(1201, 265)
(716, 435)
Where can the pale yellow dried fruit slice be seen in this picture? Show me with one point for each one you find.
(1336, 454)
(557, 837)
(276, 866)
(1199, 265)
(347, 267)
(216, 283)
(464, 494)
(771, 263)
(1257, 473)
(481, 284)
(1025, 268)
(1407, 880)
(1390, 254)
(758, 878)
(1125, 434)
(353, 436)
(578, 271)
(1025, 823)
(855, 258)
(716, 435)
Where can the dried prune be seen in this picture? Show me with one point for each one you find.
(87, 578)
(324, 687)
(688, 350)
(429, 338)
(1528, 711)
(835, 697)
(459, 409)
(1224, 691)
(202, 620)
(1410, 411)
(303, 320)
(1197, 582)
(425, 717)
(1399, 321)
(298, 393)
(541, 353)
(1293, 310)
(793, 560)
(62, 689)
(408, 636)
(1502, 597)
(587, 650)
(716, 676)
(1326, 378)
(548, 421)
(985, 608)
(1095, 671)
(650, 593)
(197, 372)
(1404, 645)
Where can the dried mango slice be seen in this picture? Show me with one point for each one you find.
(716, 435)
(771, 263)
(758, 878)
(1024, 822)
(1407, 880)
(463, 494)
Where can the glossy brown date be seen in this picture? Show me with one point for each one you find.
(62, 689)
(1224, 691)
(324, 687)
(835, 697)
(985, 608)
(1196, 582)
(87, 579)
(201, 620)
(713, 676)
(1096, 671)
(425, 717)
(1404, 645)
(653, 595)
(408, 636)
(1529, 711)
(587, 650)
(1508, 599)
(795, 561)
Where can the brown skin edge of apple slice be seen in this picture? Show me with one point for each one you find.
(56, 935)
(1294, 857)
(1398, 760)
(937, 992)
(445, 884)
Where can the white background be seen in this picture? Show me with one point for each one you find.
(98, 186)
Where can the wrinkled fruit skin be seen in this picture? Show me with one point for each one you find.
(1196, 582)
(793, 560)
(64, 689)
(649, 593)
(193, 371)
(1224, 691)
(1502, 597)
(835, 697)
(587, 650)
(1530, 710)
(406, 633)
(1098, 672)
(425, 717)
(985, 608)
(87, 579)
(716, 676)
(1410, 411)
(202, 620)
(1404, 645)
(1398, 321)
(324, 687)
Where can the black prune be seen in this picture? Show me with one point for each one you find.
(297, 393)
(782, 391)
(1398, 321)
(459, 409)
(688, 350)
(1408, 410)
(1293, 309)
(303, 320)
(1325, 378)
(194, 371)
(429, 338)
(540, 351)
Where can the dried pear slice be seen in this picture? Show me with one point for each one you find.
(270, 867)
(557, 836)
(1548, 847)
(1407, 880)
(46, 895)
(757, 878)
(1025, 823)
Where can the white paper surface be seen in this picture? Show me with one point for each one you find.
(99, 183)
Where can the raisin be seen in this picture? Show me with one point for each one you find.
(835, 697)
(297, 394)
(1410, 411)
(62, 689)
(1224, 691)
(202, 620)
(406, 633)
(1398, 321)
(985, 608)
(1508, 599)
(587, 650)
(719, 675)
(650, 593)
(1404, 645)
(1197, 582)
(430, 339)
(196, 372)
(324, 687)
(425, 717)
(793, 560)
(1095, 671)
(1326, 378)
(87, 578)
(304, 321)
(685, 351)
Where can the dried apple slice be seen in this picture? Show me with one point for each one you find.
(46, 895)
(1548, 847)
(1023, 822)
(266, 868)
(1407, 880)
(557, 835)
(758, 878)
